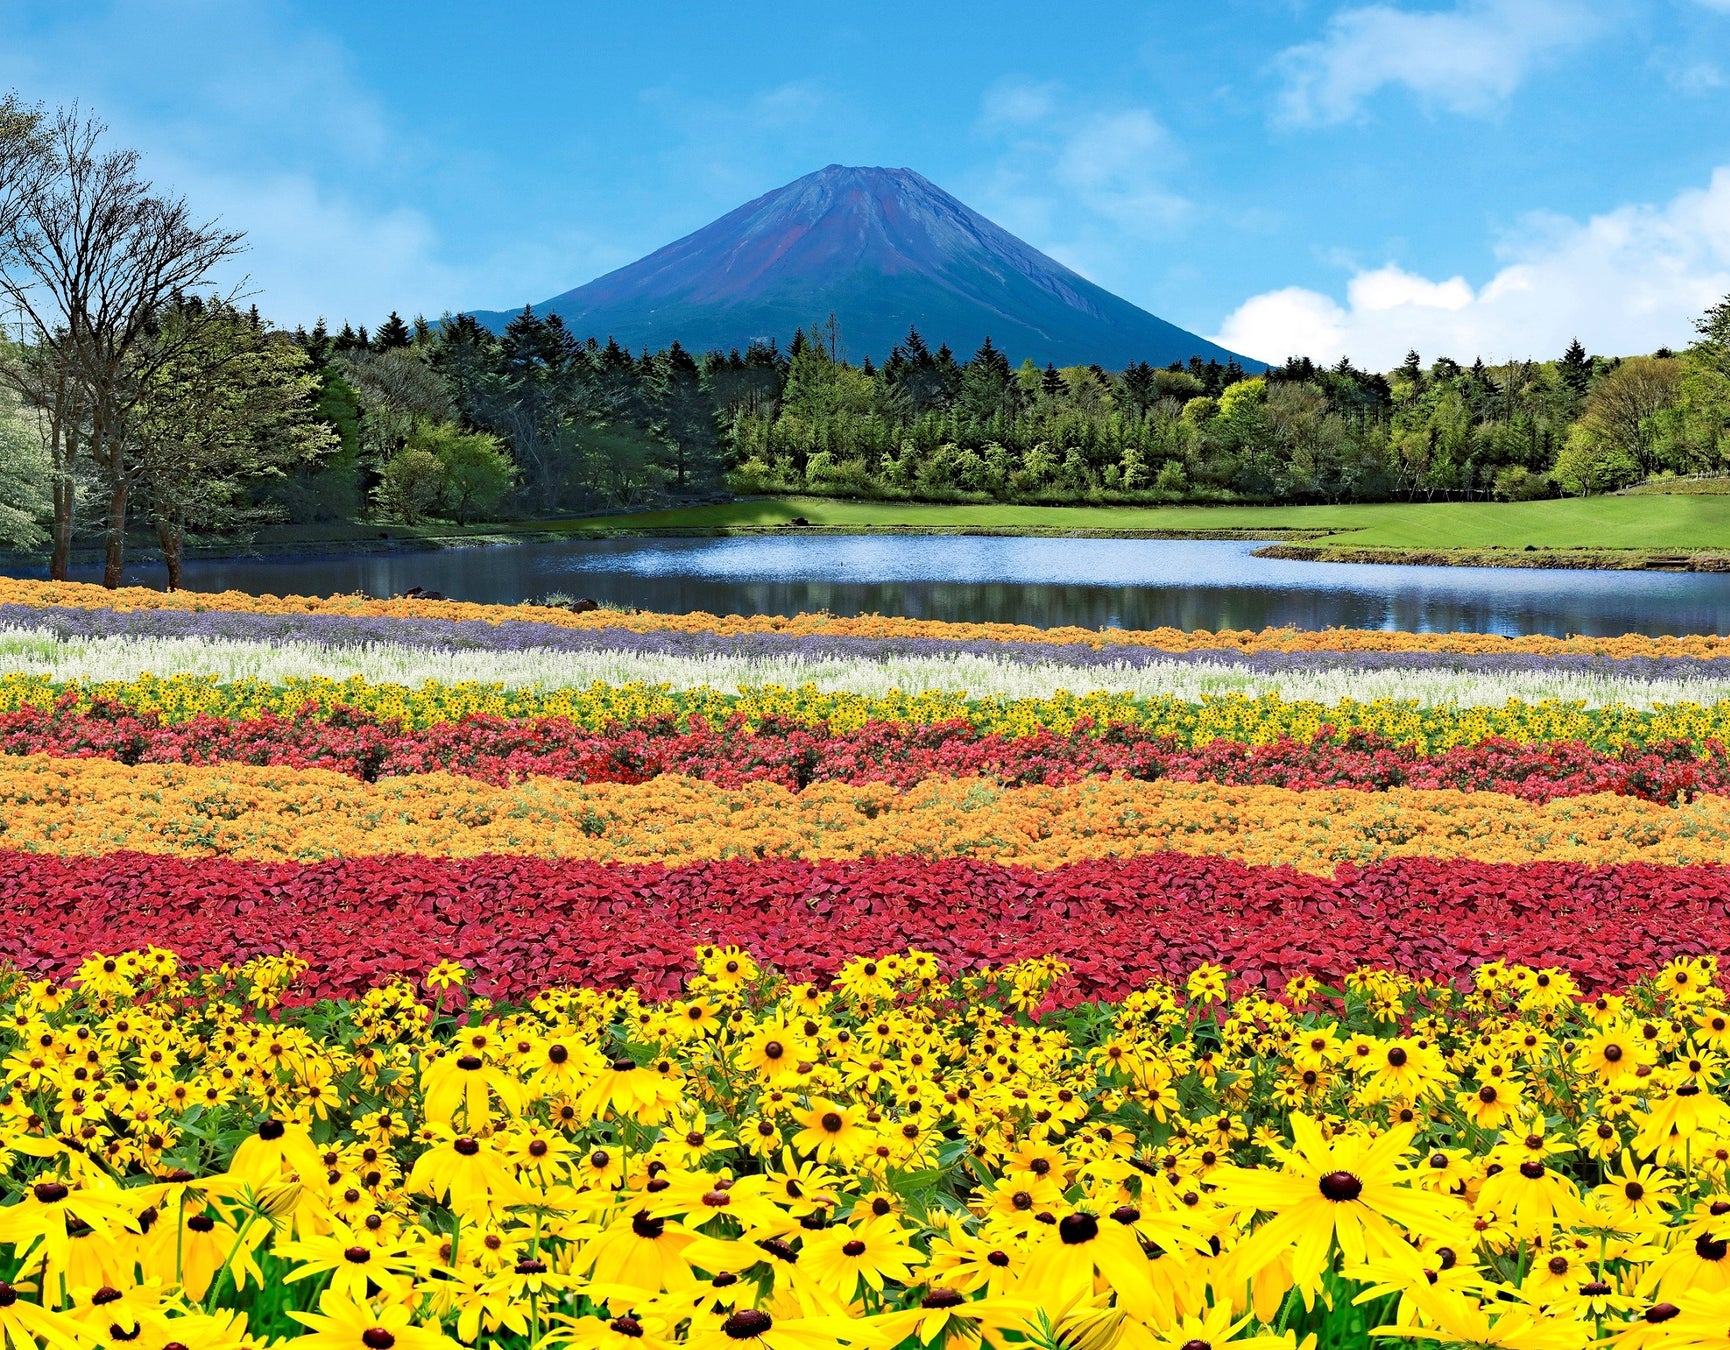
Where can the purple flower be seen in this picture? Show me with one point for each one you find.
(338, 630)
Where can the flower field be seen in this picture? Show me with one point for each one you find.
(382, 974)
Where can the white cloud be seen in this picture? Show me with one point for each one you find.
(1694, 77)
(1628, 281)
(1016, 103)
(283, 139)
(1468, 59)
(1086, 184)
(312, 253)
(1116, 163)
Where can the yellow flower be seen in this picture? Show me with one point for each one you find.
(343, 1323)
(1350, 1190)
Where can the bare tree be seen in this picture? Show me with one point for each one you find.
(90, 256)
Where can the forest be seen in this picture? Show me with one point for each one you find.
(578, 425)
(142, 402)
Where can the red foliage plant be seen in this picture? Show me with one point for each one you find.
(499, 750)
(522, 924)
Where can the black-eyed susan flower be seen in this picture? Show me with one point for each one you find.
(348, 1324)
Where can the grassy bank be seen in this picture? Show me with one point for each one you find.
(1653, 523)
(1683, 531)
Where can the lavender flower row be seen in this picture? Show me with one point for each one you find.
(339, 630)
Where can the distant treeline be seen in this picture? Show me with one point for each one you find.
(134, 400)
(581, 425)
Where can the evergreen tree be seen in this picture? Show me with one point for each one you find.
(1575, 368)
(392, 334)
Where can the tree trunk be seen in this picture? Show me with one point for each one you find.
(173, 539)
(116, 559)
(61, 560)
(63, 454)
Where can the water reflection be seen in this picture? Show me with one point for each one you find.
(1095, 583)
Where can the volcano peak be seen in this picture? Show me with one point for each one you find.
(883, 249)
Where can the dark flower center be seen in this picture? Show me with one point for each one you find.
(1532, 1170)
(747, 1323)
(50, 1192)
(1661, 1312)
(1341, 1186)
(377, 1338)
(943, 1298)
(469, 1063)
(269, 1130)
(853, 1248)
(467, 1147)
(627, 1326)
(779, 1248)
(358, 1255)
(645, 1227)
(1074, 1229)
(1710, 1248)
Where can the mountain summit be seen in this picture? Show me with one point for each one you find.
(883, 249)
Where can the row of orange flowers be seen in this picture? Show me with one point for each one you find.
(80, 595)
(95, 806)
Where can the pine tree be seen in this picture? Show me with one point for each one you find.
(392, 333)
(1138, 387)
(1576, 368)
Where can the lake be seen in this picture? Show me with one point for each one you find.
(1130, 583)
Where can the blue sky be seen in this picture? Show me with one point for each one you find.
(1469, 176)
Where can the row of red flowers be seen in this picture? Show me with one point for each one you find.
(521, 924)
(794, 754)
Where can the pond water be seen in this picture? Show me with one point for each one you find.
(1131, 583)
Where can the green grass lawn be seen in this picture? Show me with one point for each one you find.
(1661, 523)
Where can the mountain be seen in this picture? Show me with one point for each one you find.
(882, 249)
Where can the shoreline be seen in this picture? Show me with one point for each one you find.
(1287, 543)
(1527, 556)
